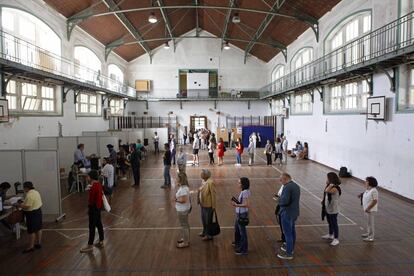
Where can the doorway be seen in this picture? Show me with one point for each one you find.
(198, 122)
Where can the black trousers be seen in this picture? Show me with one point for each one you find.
(269, 158)
(211, 155)
(156, 148)
(95, 222)
(137, 175)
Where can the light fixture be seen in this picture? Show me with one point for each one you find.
(152, 18)
(236, 18)
(226, 46)
(166, 45)
(101, 92)
(125, 99)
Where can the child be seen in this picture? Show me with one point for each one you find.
(370, 205)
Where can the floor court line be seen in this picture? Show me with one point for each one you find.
(307, 190)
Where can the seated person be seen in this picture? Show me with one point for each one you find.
(305, 152)
(4, 187)
(79, 155)
(297, 149)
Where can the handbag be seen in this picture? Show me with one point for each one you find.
(106, 205)
(213, 228)
(243, 221)
(16, 216)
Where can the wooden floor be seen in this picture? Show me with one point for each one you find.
(141, 232)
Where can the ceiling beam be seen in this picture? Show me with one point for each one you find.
(197, 22)
(77, 18)
(308, 19)
(166, 20)
(263, 26)
(232, 3)
(128, 25)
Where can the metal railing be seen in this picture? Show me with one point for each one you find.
(381, 44)
(143, 122)
(26, 53)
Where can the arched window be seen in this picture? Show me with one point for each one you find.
(87, 65)
(23, 33)
(299, 60)
(277, 73)
(116, 77)
(348, 30)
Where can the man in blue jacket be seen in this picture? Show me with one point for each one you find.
(289, 212)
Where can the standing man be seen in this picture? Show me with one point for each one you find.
(156, 143)
(196, 147)
(181, 160)
(134, 160)
(289, 212)
(113, 160)
(185, 135)
(285, 149)
(172, 148)
(167, 166)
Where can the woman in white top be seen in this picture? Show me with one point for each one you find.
(241, 205)
(183, 207)
(370, 206)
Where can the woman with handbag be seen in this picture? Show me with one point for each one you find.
(330, 205)
(242, 204)
(95, 204)
(183, 207)
(207, 201)
(32, 209)
(220, 151)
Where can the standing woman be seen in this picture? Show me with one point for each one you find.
(239, 152)
(95, 204)
(181, 160)
(211, 147)
(370, 205)
(220, 151)
(207, 201)
(331, 196)
(278, 150)
(183, 205)
(33, 212)
(250, 151)
(242, 212)
(268, 152)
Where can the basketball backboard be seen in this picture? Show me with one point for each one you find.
(376, 108)
(4, 111)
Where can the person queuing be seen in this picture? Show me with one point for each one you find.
(289, 212)
(277, 213)
(250, 151)
(108, 173)
(172, 148)
(220, 151)
(184, 137)
(183, 207)
(167, 167)
(156, 140)
(122, 162)
(32, 209)
(211, 147)
(285, 145)
(268, 151)
(242, 213)
(207, 201)
(95, 204)
(330, 205)
(370, 206)
(278, 151)
(181, 160)
(196, 148)
(239, 152)
(134, 161)
(113, 160)
(81, 158)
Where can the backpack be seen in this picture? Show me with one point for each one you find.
(343, 172)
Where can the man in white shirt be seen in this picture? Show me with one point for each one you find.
(108, 174)
(196, 147)
(156, 143)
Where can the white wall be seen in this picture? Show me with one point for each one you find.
(380, 149)
(196, 54)
(22, 132)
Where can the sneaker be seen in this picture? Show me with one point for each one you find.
(328, 237)
(207, 238)
(86, 249)
(283, 247)
(335, 242)
(365, 235)
(368, 239)
(99, 244)
(201, 234)
(183, 244)
(240, 253)
(285, 256)
(164, 187)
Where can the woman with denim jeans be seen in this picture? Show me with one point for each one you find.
(183, 207)
(239, 151)
(331, 196)
(242, 208)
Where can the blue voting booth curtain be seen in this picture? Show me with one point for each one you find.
(266, 133)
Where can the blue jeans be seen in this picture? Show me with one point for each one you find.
(167, 176)
(333, 224)
(173, 156)
(240, 234)
(288, 226)
(238, 158)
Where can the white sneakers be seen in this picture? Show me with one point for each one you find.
(335, 242)
(328, 237)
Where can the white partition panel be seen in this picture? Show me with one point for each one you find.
(11, 168)
(134, 135)
(89, 133)
(91, 144)
(42, 169)
(104, 133)
(122, 135)
(103, 141)
(47, 143)
(66, 149)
